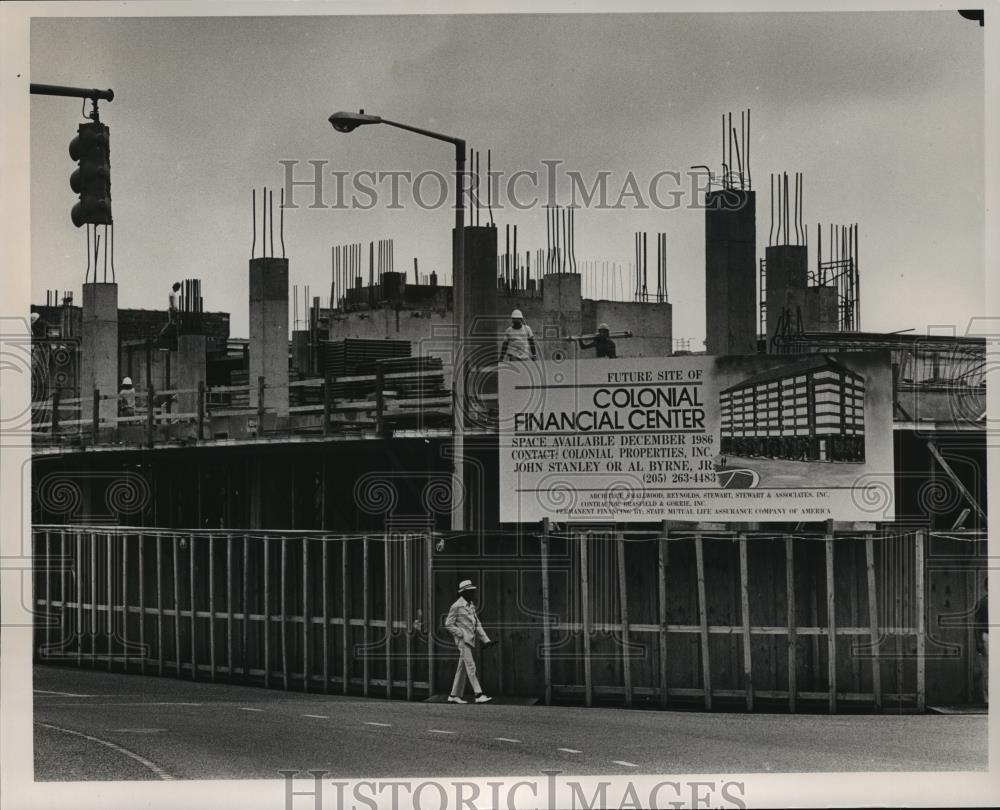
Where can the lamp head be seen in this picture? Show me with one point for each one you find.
(348, 122)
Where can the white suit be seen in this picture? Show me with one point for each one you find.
(463, 624)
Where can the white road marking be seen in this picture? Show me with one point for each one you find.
(138, 730)
(570, 750)
(372, 723)
(440, 731)
(318, 716)
(249, 709)
(59, 694)
(114, 747)
(506, 739)
(624, 763)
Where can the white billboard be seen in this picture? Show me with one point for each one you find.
(697, 438)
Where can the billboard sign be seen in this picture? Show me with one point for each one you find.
(698, 438)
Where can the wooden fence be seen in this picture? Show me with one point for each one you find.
(711, 619)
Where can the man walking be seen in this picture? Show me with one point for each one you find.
(463, 624)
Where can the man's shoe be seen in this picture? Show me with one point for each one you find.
(456, 699)
(483, 699)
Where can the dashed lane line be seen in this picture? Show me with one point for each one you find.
(570, 750)
(59, 694)
(318, 716)
(160, 772)
(440, 731)
(506, 739)
(249, 709)
(624, 763)
(373, 723)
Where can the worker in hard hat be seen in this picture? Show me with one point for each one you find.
(518, 340)
(126, 398)
(602, 342)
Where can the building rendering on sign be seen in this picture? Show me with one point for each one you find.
(812, 410)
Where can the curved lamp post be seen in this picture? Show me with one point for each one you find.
(348, 122)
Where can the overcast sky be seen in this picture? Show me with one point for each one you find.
(883, 112)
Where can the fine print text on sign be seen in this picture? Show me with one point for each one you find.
(749, 438)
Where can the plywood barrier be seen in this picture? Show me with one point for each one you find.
(669, 618)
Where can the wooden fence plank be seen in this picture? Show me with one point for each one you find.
(229, 606)
(306, 618)
(661, 571)
(159, 602)
(546, 633)
(745, 610)
(430, 620)
(282, 617)
(408, 612)
(125, 633)
(585, 594)
(267, 610)
(346, 613)
(177, 606)
(325, 585)
(192, 555)
(364, 617)
(110, 593)
(706, 670)
(918, 575)
(623, 610)
(211, 606)
(831, 621)
(142, 602)
(792, 628)
(387, 571)
(245, 600)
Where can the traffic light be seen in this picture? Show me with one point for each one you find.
(91, 148)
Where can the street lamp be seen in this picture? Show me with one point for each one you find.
(348, 122)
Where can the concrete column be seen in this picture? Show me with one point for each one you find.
(563, 308)
(483, 324)
(821, 310)
(99, 349)
(730, 272)
(787, 281)
(191, 367)
(269, 332)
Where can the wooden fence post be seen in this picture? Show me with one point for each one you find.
(745, 610)
(831, 621)
(918, 574)
(623, 608)
(661, 569)
(792, 626)
(546, 631)
(706, 670)
(585, 593)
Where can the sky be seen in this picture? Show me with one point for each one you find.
(882, 112)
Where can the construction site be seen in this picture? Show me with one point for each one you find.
(293, 508)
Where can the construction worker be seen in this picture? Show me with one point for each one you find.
(463, 624)
(169, 329)
(126, 398)
(519, 340)
(602, 342)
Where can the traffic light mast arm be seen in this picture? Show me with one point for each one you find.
(72, 92)
(75, 92)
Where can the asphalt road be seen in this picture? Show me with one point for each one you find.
(92, 726)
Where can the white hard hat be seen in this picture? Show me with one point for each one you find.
(517, 314)
(603, 326)
(127, 381)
